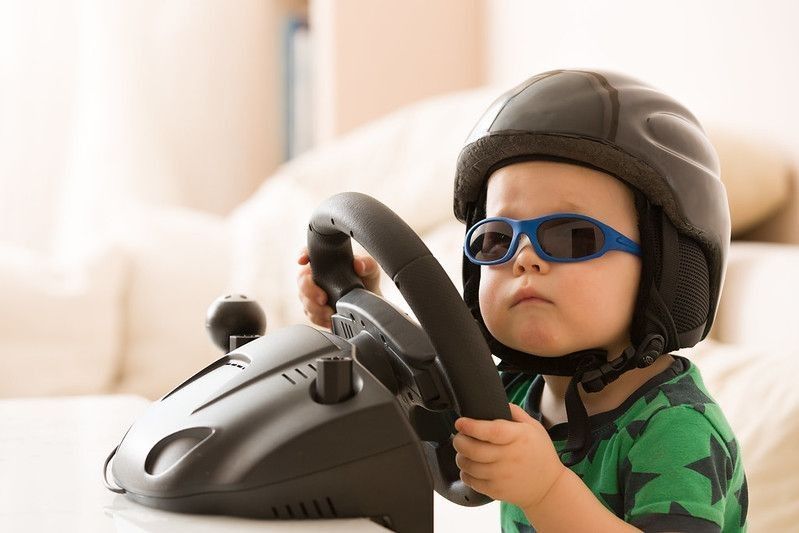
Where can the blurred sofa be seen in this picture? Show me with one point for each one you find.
(131, 318)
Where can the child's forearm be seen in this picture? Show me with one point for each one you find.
(571, 506)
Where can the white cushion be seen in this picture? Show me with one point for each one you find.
(757, 177)
(180, 261)
(59, 324)
(755, 387)
(759, 295)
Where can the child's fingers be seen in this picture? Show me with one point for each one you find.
(314, 300)
(367, 267)
(475, 469)
(369, 271)
(496, 431)
(476, 450)
(304, 271)
(320, 317)
(364, 266)
(304, 258)
(473, 482)
(318, 314)
(312, 297)
(311, 291)
(520, 415)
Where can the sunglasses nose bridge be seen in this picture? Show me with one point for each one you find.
(527, 231)
(522, 242)
(522, 238)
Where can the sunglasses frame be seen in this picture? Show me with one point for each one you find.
(613, 239)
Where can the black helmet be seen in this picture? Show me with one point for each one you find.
(621, 126)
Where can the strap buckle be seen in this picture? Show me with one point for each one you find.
(648, 350)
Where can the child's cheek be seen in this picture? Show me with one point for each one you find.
(489, 296)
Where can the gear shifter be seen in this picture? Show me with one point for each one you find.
(234, 320)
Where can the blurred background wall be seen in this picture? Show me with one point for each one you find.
(731, 63)
(105, 105)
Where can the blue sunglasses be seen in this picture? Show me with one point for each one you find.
(559, 237)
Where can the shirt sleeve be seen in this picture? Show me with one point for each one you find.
(676, 473)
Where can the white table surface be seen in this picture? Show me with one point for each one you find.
(51, 456)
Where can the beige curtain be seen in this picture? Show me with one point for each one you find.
(106, 105)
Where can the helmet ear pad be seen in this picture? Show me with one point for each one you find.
(674, 292)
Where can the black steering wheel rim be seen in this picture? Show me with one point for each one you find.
(428, 290)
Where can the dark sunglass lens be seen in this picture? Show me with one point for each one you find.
(570, 238)
(491, 240)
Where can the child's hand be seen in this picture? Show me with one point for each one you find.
(314, 298)
(513, 461)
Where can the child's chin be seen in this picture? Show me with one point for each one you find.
(523, 337)
(543, 353)
(538, 348)
(544, 349)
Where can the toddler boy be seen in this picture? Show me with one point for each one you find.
(597, 230)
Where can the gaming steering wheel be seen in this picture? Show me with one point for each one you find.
(436, 370)
(304, 423)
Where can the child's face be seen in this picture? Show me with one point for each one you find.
(591, 302)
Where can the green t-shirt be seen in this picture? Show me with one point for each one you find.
(664, 460)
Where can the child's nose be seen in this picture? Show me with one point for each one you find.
(526, 256)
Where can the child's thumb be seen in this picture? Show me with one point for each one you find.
(366, 267)
(518, 414)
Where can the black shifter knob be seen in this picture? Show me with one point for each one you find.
(233, 320)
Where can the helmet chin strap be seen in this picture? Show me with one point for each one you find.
(591, 369)
(594, 378)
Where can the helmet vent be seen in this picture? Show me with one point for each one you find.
(692, 299)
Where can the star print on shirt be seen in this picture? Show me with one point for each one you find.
(635, 427)
(676, 508)
(732, 446)
(635, 481)
(524, 528)
(681, 392)
(742, 495)
(708, 467)
(615, 502)
(598, 437)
